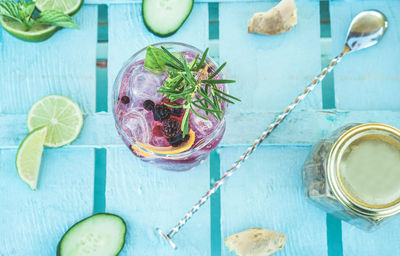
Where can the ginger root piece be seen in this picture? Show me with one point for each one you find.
(256, 242)
(277, 20)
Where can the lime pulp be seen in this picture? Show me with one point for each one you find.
(37, 33)
(69, 7)
(62, 117)
(29, 156)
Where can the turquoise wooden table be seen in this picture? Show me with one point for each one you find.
(97, 172)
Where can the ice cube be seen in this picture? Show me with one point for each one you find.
(202, 127)
(137, 124)
(144, 86)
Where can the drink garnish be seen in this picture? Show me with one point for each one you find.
(29, 156)
(23, 12)
(20, 20)
(183, 144)
(61, 115)
(195, 83)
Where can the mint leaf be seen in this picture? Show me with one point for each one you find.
(10, 9)
(56, 18)
(27, 10)
(155, 59)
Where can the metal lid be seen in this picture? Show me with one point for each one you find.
(345, 143)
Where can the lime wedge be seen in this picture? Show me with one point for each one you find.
(61, 115)
(37, 33)
(69, 7)
(29, 156)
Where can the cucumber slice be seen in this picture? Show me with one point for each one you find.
(164, 17)
(102, 234)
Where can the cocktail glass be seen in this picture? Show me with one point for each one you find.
(137, 127)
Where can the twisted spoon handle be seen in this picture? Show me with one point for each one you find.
(317, 80)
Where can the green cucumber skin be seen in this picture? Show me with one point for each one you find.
(170, 33)
(104, 214)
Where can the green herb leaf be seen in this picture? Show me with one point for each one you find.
(218, 81)
(226, 94)
(27, 9)
(10, 9)
(185, 123)
(217, 71)
(154, 60)
(172, 58)
(56, 18)
(202, 60)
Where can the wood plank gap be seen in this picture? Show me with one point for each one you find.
(101, 60)
(215, 163)
(334, 235)
(100, 166)
(333, 225)
(213, 21)
(328, 88)
(215, 209)
(100, 157)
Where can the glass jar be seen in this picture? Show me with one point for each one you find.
(354, 174)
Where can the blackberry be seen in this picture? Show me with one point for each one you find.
(177, 140)
(125, 99)
(171, 128)
(161, 112)
(148, 105)
(176, 112)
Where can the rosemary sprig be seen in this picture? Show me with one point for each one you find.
(192, 82)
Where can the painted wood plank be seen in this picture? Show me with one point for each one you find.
(267, 192)
(368, 79)
(270, 70)
(65, 64)
(113, 2)
(32, 222)
(128, 35)
(148, 197)
(383, 242)
(301, 128)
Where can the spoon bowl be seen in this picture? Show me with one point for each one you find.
(366, 29)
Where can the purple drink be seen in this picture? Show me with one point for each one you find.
(149, 127)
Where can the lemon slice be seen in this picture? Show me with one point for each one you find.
(164, 150)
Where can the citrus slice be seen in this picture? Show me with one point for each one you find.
(61, 115)
(69, 7)
(29, 156)
(165, 150)
(37, 33)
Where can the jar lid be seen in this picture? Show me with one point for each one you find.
(363, 169)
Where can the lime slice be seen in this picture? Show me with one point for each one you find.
(69, 7)
(61, 115)
(29, 156)
(37, 33)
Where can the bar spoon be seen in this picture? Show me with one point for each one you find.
(366, 29)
